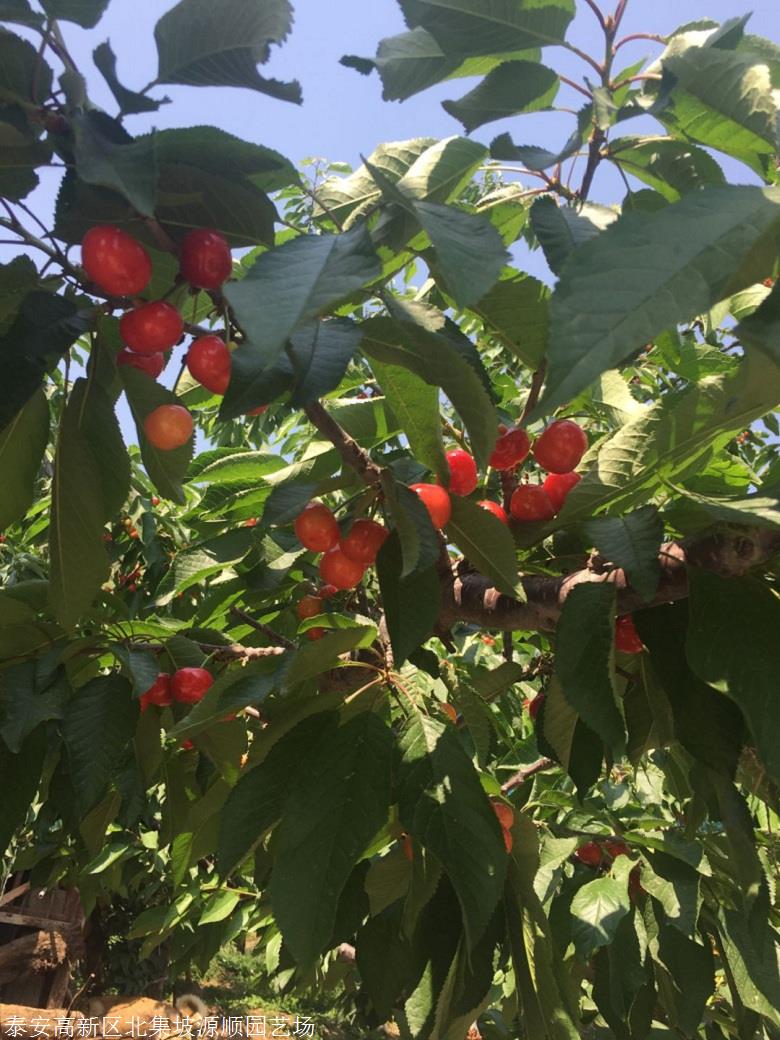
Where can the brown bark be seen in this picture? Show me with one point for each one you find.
(36, 953)
(468, 596)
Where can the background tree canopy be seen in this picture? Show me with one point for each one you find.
(509, 750)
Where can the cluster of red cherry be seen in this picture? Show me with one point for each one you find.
(186, 685)
(600, 856)
(120, 266)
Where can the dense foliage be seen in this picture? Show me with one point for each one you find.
(446, 787)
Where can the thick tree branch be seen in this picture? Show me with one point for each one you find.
(470, 597)
(349, 449)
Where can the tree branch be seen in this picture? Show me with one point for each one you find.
(347, 447)
(526, 773)
(468, 596)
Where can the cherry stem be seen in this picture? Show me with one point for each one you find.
(258, 626)
(540, 766)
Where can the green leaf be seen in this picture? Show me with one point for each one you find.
(319, 356)
(86, 13)
(20, 152)
(20, 12)
(516, 311)
(44, 327)
(100, 427)
(221, 905)
(672, 265)
(431, 356)
(561, 229)
(130, 101)
(17, 278)
(761, 329)
(632, 542)
(752, 961)
(20, 775)
(315, 658)
(707, 723)
(730, 641)
(512, 88)
(671, 167)
(691, 972)
(166, 469)
(535, 158)
(339, 799)
(79, 564)
(127, 167)
(442, 805)
(18, 64)
(597, 909)
(411, 604)
(412, 524)
(99, 723)
(570, 741)
(203, 45)
(211, 149)
(723, 100)
(384, 957)
(486, 543)
(22, 444)
(258, 799)
(468, 27)
(193, 566)
(469, 251)
(584, 660)
(415, 404)
(699, 511)
(286, 287)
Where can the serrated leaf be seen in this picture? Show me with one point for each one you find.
(516, 311)
(632, 542)
(411, 522)
(20, 775)
(469, 251)
(86, 13)
(130, 101)
(584, 660)
(320, 354)
(562, 229)
(18, 64)
(203, 45)
(723, 99)
(338, 801)
(509, 89)
(315, 658)
(22, 444)
(415, 404)
(761, 329)
(166, 469)
(468, 27)
(730, 641)
(486, 543)
(535, 158)
(220, 905)
(671, 167)
(99, 722)
(20, 12)
(672, 265)
(431, 356)
(597, 909)
(17, 278)
(442, 805)
(411, 604)
(286, 287)
(20, 152)
(99, 425)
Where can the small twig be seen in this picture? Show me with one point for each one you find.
(637, 79)
(537, 381)
(593, 6)
(258, 626)
(638, 36)
(522, 775)
(575, 86)
(347, 447)
(585, 57)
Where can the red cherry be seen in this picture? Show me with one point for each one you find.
(364, 541)
(614, 847)
(151, 364)
(114, 261)
(511, 448)
(168, 427)
(155, 500)
(561, 446)
(308, 607)
(535, 705)
(337, 569)
(530, 502)
(259, 411)
(449, 711)
(589, 854)
(209, 361)
(495, 509)
(508, 841)
(463, 472)
(250, 522)
(626, 636)
(4, 538)
(190, 685)
(316, 633)
(436, 501)
(558, 486)
(408, 847)
(158, 693)
(328, 592)
(187, 745)
(316, 528)
(505, 814)
(205, 259)
(151, 328)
